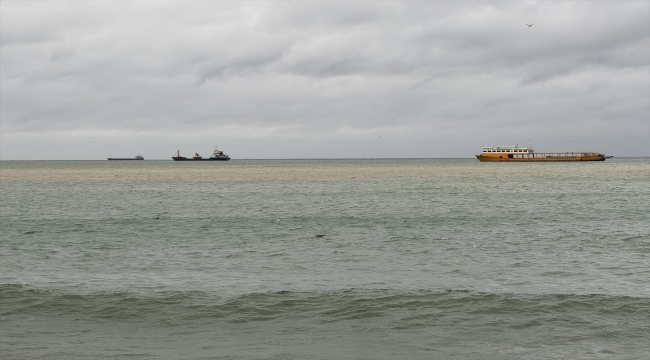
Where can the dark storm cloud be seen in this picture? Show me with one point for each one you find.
(431, 78)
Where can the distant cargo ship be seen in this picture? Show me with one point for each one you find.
(517, 154)
(137, 157)
(217, 155)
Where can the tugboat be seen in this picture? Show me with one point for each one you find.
(137, 157)
(517, 154)
(217, 155)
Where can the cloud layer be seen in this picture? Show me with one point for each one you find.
(85, 80)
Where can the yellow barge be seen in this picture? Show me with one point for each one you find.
(517, 154)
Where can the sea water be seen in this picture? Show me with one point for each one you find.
(325, 259)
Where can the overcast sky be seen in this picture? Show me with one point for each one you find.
(330, 79)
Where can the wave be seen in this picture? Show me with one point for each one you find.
(404, 308)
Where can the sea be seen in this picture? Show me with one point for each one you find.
(325, 259)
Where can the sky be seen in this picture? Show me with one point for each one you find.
(83, 80)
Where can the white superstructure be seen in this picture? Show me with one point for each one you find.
(508, 149)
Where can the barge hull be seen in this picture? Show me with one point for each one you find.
(525, 158)
(192, 159)
(217, 155)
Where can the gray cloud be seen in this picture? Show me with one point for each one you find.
(433, 79)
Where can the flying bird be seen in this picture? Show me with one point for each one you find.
(530, 25)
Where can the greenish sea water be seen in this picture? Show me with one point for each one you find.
(325, 259)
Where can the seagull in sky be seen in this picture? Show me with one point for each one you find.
(530, 25)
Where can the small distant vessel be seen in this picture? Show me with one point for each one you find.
(137, 157)
(517, 154)
(217, 155)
